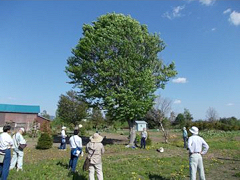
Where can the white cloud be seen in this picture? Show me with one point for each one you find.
(227, 11)
(213, 29)
(180, 80)
(177, 101)
(230, 104)
(176, 12)
(234, 18)
(207, 2)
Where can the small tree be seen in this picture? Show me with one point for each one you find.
(45, 114)
(211, 114)
(97, 118)
(71, 109)
(158, 113)
(180, 120)
(45, 141)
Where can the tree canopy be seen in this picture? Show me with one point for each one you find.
(71, 109)
(116, 66)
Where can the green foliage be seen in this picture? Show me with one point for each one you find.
(138, 139)
(224, 124)
(83, 131)
(116, 66)
(180, 120)
(45, 114)
(71, 109)
(45, 141)
(97, 118)
(187, 115)
(148, 141)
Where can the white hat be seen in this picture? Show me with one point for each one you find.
(161, 149)
(22, 129)
(63, 127)
(184, 128)
(96, 138)
(194, 130)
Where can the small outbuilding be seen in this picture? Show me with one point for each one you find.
(140, 125)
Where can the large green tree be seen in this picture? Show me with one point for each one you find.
(71, 109)
(116, 67)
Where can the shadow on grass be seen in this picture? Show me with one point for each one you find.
(65, 165)
(85, 140)
(76, 176)
(157, 177)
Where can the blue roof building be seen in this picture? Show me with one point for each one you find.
(19, 108)
(21, 116)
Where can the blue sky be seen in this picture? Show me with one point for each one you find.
(202, 37)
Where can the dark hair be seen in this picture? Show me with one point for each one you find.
(76, 131)
(6, 128)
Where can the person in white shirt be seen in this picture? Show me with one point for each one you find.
(17, 152)
(76, 149)
(6, 143)
(195, 145)
(63, 139)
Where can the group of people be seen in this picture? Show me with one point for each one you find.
(94, 150)
(196, 145)
(8, 142)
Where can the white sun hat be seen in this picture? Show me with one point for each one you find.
(63, 127)
(161, 150)
(22, 129)
(96, 138)
(194, 130)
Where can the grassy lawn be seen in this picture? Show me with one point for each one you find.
(120, 163)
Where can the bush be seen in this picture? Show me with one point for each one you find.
(45, 141)
(148, 141)
(137, 139)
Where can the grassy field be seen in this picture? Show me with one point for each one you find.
(119, 163)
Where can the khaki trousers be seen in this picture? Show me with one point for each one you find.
(98, 168)
(196, 164)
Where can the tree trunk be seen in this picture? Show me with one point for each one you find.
(132, 133)
(165, 133)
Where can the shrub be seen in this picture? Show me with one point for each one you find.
(137, 139)
(148, 141)
(45, 141)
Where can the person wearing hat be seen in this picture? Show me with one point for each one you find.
(63, 139)
(18, 152)
(195, 145)
(95, 149)
(6, 143)
(185, 137)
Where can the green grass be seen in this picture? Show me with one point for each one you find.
(120, 163)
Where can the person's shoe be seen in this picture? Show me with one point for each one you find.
(19, 169)
(11, 168)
